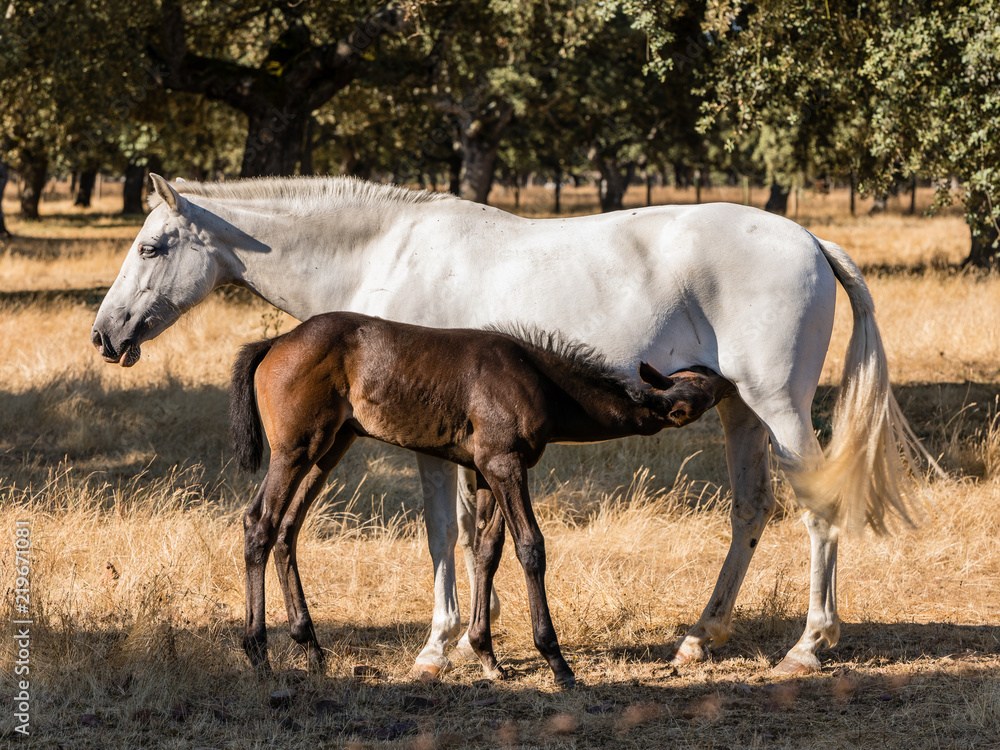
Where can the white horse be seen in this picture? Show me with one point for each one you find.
(745, 293)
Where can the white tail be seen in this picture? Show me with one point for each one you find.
(873, 449)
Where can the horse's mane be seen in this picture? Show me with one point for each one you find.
(303, 194)
(580, 359)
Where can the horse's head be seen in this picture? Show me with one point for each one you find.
(685, 395)
(172, 265)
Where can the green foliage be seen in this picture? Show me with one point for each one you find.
(936, 73)
(68, 76)
(877, 89)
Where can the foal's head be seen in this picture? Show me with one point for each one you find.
(684, 396)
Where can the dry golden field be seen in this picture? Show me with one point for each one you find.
(124, 479)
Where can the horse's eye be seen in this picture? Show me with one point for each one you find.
(148, 251)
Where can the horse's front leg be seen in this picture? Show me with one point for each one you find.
(300, 624)
(507, 476)
(488, 548)
(467, 525)
(438, 482)
(753, 505)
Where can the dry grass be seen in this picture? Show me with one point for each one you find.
(130, 467)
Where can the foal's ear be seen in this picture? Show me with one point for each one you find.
(166, 192)
(654, 377)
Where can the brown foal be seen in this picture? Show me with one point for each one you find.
(488, 400)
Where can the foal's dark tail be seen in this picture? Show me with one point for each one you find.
(245, 430)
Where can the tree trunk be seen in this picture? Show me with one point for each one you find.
(34, 166)
(135, 177)
(558, 191)
(274, 144)
(88, 178)
(985, 247)
(682, 175)
(3, 184)
(854, 190)
(616, 182)
(880, 205)
(777, 202)
(478, 158)
(455, 173)
(913, 196)
(306, 159)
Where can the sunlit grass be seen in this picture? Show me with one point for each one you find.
(131, 468)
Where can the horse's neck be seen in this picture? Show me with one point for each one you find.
(313, 264)
(607, 408)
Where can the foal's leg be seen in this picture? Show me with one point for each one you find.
(255, 633)
(753, 506)
(300, 623)
(438, 484)
(508, 478)
(260, 526)
(488, 548)
(467, 515)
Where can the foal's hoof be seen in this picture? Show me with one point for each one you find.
(797, 666)
(317, 667)
(566, 681)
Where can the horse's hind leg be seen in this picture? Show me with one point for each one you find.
(794, 443)
(488, 548)
(260, 530)
(255, 632)
(300, 623)
(753, 505)
(822, 623)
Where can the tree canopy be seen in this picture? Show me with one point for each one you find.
(774, 90)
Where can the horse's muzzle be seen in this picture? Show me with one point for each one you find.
(126, 357)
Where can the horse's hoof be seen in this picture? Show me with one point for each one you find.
(427, 672)
(689, 652)
(796, 666)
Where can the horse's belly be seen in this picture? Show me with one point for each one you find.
(413, 428)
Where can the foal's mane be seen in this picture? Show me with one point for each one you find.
(579, 359)
(303, 194)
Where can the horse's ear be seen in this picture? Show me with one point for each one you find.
(166, 193)
(654, 377)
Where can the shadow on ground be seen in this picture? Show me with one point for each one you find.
(903, 685)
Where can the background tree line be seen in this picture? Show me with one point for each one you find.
(875, 93)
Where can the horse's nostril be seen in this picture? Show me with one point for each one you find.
(96, 339)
